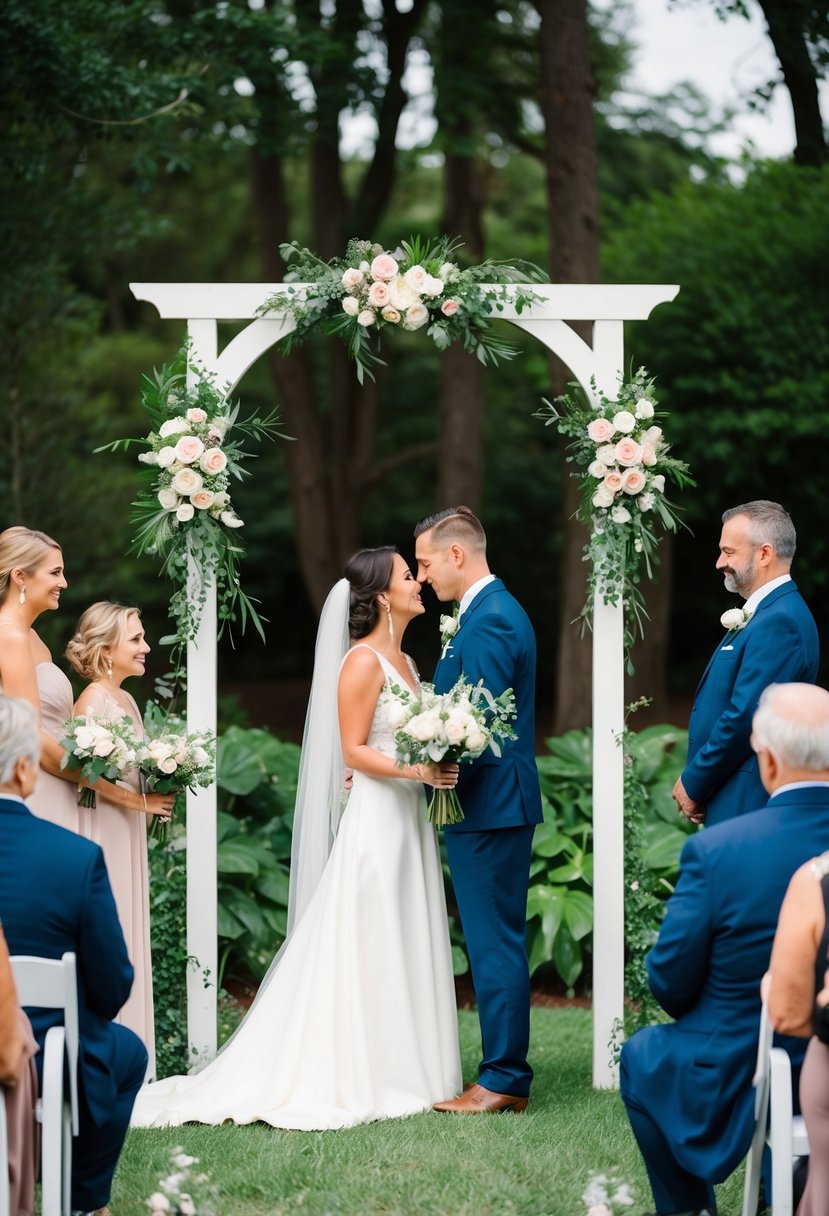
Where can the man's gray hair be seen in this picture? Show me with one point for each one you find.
(19, 735)
(795, 744)
(769, 524)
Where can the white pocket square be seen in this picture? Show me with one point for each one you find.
(726, 648)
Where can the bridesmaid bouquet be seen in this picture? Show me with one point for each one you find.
(99, 745)
(453, 726)
(173, 761)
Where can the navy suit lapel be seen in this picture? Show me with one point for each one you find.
(495, 585)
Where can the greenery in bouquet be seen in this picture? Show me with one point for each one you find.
(184, 509)
(99, 745)
(172, 761)
(419, 285)
(626, 466)
(453, 727)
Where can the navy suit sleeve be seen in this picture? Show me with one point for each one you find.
(679, 963)
(103, 961)
(773, 654)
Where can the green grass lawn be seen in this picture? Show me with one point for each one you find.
(536, 1163)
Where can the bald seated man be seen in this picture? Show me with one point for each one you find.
(687, 1085)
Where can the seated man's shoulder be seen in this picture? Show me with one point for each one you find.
(52, 838)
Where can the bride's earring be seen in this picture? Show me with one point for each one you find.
(109, 668)
(391, 622)
(21, 595)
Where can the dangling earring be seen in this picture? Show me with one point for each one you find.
(391, 622)
(109, 668)
(21, 595)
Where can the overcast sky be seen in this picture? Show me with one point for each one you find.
(726, 59)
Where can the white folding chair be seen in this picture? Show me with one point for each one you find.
(4, 1156)
(46, 983)
(775, 1126)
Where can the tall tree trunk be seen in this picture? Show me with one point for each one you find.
(567, 91)
(784, 20)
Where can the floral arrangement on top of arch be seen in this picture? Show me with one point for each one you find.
(184, 511)
(626, 466)
(420, 284)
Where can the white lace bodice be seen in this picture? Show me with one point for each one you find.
(389, 712)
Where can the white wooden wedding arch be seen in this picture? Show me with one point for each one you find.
(607, 308)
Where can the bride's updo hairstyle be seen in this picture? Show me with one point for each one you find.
(101, 627)
(369, 573)
(23, 548)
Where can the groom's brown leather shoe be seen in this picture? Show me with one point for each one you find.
(479, 1101)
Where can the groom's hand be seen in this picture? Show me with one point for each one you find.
(693, 811)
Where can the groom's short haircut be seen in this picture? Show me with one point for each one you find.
(454, 525)
(769, 523)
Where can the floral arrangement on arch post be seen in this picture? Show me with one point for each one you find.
(184, 509)
(419, 284)
(626, 466)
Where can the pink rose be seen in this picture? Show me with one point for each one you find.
(352, 278)
(203, 499)
(628, 452)
(613, 481)
(378, 295)
(416, 316)
(196, 415)
(633, 481)
(648, 454)
(600, 430)
(449, 307)
(365, 318)
(213, 461)
(188, 449)
(383, 267)
(416, 277)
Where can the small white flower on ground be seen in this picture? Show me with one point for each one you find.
(158, 1202)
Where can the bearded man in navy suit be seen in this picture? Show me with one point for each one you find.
(54, 897)
(687, 1085)
(773, 639)
(489, 851)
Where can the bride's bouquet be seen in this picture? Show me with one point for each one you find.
(173, 761)
(99, 745)
(454, 726)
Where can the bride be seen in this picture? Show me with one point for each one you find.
(356, 1017)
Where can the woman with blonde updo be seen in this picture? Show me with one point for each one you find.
(31, 580)
(108, 647)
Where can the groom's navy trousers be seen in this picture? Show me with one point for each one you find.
(489, 851)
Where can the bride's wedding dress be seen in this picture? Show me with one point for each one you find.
(358, 1021)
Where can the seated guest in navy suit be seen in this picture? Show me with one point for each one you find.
(687, 1085)
(55, 896)
(772, 639)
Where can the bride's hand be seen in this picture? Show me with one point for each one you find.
(441, 776)
(160, 804)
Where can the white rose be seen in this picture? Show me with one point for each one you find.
(423, 727)
(231, 520)
(187, 481)
(597, 469)
(645, 501)
(395, 713)
(168, 499)
(185, 512)
(401, 296)
(352, 278)
(644, 408)
(147, 458)
(196, 414)
(652, 435)
(351, 305)
(475, 740)
(658, 483)
(166, 457)
(85, 737)
(173, 426)
(416, 316)
(733, 618)
(603, 497)
(607, 454)
(202, 759)
(449, 624)
(448, 271)
(624, 422)
(365, 318)
(432, 287)
(416, 278)
(169, 765)
(620, 515)
(103, 746)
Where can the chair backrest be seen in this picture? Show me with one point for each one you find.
(761, 1072)
(51, 983)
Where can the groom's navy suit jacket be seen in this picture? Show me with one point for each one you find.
(55, 896)
(495, 643)
(693, 1076)
(778, 645)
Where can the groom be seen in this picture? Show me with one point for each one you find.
(489, 851)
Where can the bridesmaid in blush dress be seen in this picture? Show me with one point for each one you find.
(108, 647)
(31, 580)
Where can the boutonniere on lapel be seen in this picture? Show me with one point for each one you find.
(448, 629)
(735, 619)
